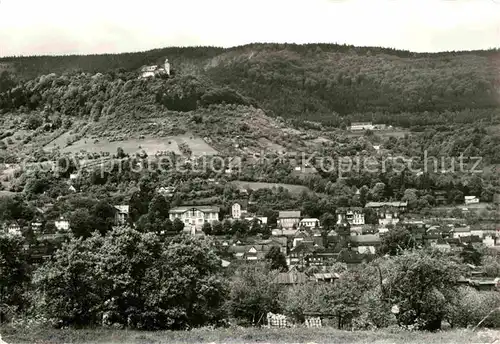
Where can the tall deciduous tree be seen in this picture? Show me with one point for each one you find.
(276, 259)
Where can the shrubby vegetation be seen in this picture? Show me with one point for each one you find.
(132, 279)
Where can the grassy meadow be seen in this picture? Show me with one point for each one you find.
(248, 335)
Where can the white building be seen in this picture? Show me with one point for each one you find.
(13, 228)
(489, 241)
(288, 219)
(261, 219)
(471, 200)
(237, 210)
(355, 126)
(460, 232)
(309, 223)
(355, 217)
(195, 216)
(62, 224)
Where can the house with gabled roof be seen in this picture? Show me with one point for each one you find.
(299, 236)
(251, 252)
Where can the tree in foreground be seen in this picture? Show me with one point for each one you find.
(253, 293)
(421, 283)
(276, 259)
(14, 275)
(133, 279)
(396, 241)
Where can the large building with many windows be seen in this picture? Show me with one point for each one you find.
(195, 216)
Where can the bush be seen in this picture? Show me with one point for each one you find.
(374, 313)
(34, 122)
(470, 306)
(14, 276)
(421, 283)
(254, 293)
(132, 279)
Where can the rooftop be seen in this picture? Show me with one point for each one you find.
(289, 214)
(385, 204)
(202, 208)
(123, 209)
(366, 239)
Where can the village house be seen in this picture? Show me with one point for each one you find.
(253, 252)
(288, 219)
(121, 214)
(472, 240)
(440, 197)
(36, 226)
(356, 126)
(471, 200)
(238, 209)
(251, 217)
(489, 241)
(299, 253)
(284, 232)
(299, 236)
(13, 227)
(367, 243)
(354, 216)
(459, 232)
(309, 223)
(195, 216)
(280, 242)
(322, 258)
(62, 225)
(388, 212)
(304, 253)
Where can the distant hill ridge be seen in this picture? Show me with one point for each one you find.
(315, 81)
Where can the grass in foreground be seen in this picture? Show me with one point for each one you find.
(246, 335)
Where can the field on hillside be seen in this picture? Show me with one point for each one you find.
(296, 189)
(150, 145)
(470, 207)
(250, 335)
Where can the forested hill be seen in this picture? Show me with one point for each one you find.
(313, 81)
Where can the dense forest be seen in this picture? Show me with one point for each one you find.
(329, 83)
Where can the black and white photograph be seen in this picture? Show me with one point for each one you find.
(250, 172)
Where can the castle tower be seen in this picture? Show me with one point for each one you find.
(167, 67)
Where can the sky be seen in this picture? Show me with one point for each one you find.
(50, 27)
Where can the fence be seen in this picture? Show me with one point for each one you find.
(276, 320)
(313, 322)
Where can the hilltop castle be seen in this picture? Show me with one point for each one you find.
(155, 70)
